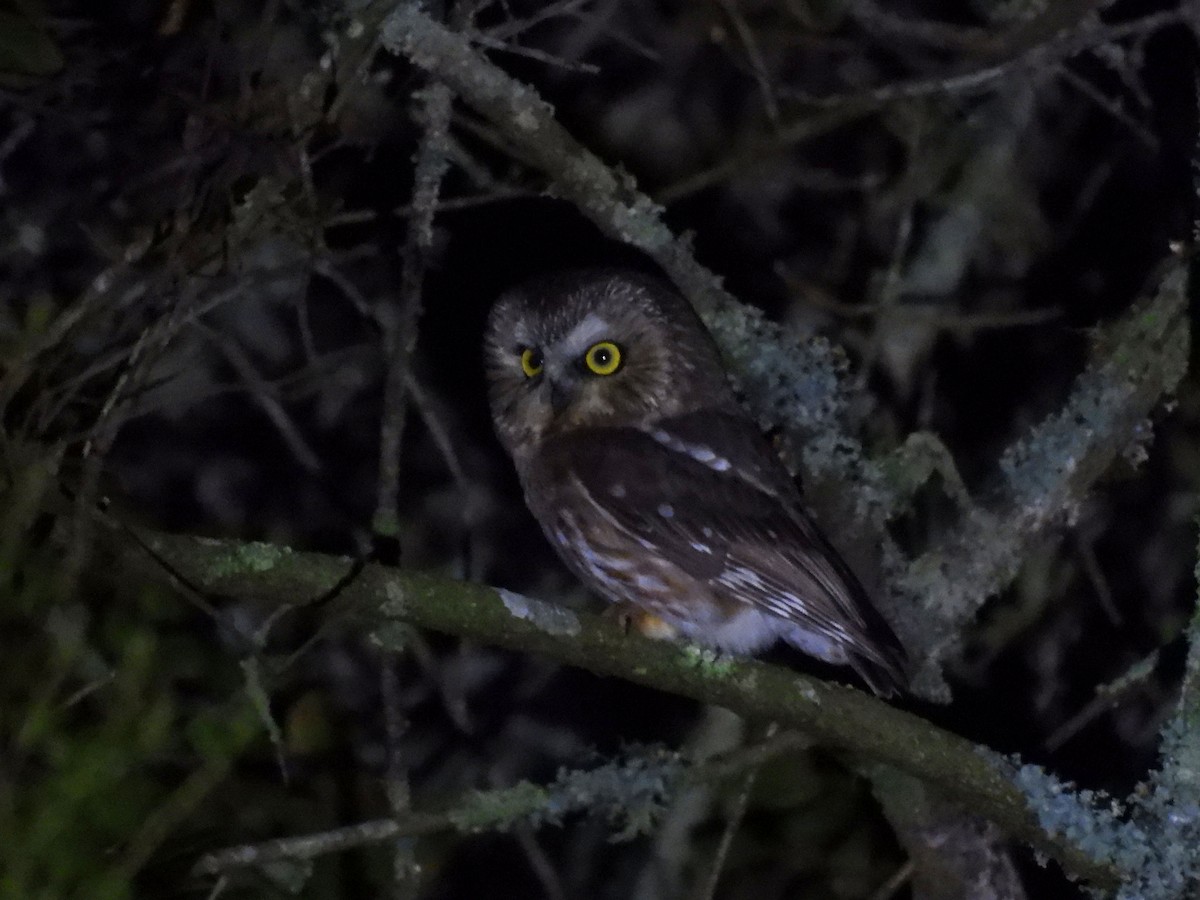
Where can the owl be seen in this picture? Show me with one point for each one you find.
(653, 485)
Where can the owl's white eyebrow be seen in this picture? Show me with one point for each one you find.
(521, 336)
(584, 334)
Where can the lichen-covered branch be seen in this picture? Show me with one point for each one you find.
(381, 600)
(1153, 836)
(1046, 474)
(630, 790)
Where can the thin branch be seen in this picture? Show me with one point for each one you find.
(1111, 106)
(754, 152)
(758, 64)
(898, 879)
(1042, 57)
(551, 11)
(265, 395)
(438, 431)
(539, 861)
(400, 329)
(484, 40)
(1107, 696)
(406, 874)
(706, 889)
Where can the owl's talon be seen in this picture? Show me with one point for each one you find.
(651, 626)
(629, 617)
(621, 614)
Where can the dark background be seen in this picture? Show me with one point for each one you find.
(1015, 216)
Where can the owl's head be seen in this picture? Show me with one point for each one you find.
(596, 348)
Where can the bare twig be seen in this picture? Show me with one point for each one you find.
(898, 879)
(1113, 107)
(547, 13)
(441, 437)
(400, 329)
(264, 394)
(406, 872)
(758, 65)
(1107, 696)
(1042, 57)
(543, 868)
(484, 40)
(811, 126)
(706, 889)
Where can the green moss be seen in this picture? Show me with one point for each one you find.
(253, 556)
(710, 662)
(492, 809)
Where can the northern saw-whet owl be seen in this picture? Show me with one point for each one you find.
(653, 485)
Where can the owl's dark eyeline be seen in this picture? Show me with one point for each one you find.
(654, 486)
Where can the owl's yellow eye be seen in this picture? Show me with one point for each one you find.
(531, 362)
(603, 358)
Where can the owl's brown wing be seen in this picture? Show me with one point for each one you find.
(705, 492)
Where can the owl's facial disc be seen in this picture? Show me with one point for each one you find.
(564, 378)
(595, 350)
(560, 368)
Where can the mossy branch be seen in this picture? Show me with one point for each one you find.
(380, 601)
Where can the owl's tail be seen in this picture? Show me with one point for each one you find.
(882, 667)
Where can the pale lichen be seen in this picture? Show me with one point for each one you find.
(629, 791)
(1153, 837)
(548, 617)
(1047, 473)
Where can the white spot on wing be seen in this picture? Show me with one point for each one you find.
(666, 510)
(701, 548)
(650, 583)
(617, 490)
(701, 453)
(739, 576)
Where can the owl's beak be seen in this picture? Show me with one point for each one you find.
(561, 393)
